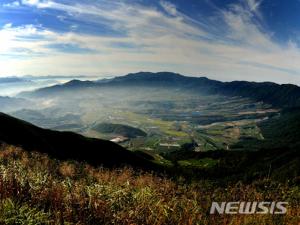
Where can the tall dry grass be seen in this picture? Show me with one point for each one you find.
(35, 189)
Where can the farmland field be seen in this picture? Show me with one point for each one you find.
(171, 119)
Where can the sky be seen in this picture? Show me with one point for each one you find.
(254, 40)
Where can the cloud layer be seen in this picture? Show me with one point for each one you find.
(117, 37)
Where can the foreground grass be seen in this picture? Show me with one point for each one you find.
(35, 189)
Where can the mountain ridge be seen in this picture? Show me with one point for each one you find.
(284, 95)
(66, 145)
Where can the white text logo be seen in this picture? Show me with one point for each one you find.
(249, 208)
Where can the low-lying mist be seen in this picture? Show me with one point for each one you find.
(147, 112)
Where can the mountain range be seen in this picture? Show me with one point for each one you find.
(285, 95)
(5, 80)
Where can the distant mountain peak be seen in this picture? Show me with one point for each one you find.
(277, 95)
(150, 75)
(76, 82)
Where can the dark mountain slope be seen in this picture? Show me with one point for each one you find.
(283, 130)
(280, 131)
(286, 95)
(66, 145)
(277, 163)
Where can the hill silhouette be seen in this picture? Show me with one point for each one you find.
(66, 145)
(119, 129)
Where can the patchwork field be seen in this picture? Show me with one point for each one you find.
(171, 119)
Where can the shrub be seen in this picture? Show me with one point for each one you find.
(12, 213)
(35, 189)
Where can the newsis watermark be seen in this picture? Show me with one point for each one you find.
(248, 207)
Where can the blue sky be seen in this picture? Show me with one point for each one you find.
(256, 40)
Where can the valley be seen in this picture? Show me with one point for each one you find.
(168, 118)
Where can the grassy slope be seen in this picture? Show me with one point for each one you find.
(38, 190)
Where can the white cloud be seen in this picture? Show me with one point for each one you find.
(254, 7)
(254, 4)
(243, 29)
(31, 2)
(7, 26)
(12, 4)
(169, 7)
(159, 42)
